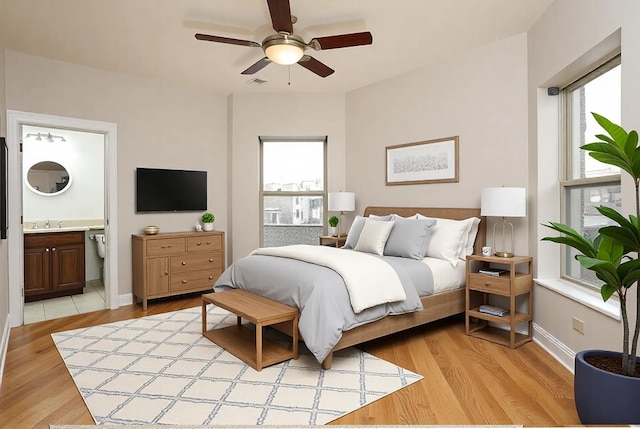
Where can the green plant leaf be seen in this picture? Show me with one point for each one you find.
(610, 250)
(631, 144)
(617, 133)
(612, 160)
(605, 269)
(606, 291)
(571, 238)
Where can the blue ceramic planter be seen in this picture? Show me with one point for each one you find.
(604, 398)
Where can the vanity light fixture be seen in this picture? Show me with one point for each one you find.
(49, 137)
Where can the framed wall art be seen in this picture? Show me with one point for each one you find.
(431, 161)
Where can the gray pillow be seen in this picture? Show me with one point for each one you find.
(354, 232)
(409, 238)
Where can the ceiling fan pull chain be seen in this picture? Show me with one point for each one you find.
(289, 75)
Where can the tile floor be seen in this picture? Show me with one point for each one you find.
(92, 299)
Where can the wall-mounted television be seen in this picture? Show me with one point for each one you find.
(164, 190)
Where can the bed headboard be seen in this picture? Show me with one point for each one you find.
(445, 213)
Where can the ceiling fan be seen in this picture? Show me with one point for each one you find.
(286, 48)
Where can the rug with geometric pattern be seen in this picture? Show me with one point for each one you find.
(160, 370)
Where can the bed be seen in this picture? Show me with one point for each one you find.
(328, 321)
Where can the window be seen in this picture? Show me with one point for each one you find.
(292, 192)
(588, 183)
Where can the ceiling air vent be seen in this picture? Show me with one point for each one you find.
(256, 81)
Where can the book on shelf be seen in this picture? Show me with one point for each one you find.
(492, 271)
(493, 310)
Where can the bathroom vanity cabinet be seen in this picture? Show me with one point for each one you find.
(175, 263)
(53, 265)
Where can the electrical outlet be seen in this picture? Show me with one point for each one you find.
(578, 325)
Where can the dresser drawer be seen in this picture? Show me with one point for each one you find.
(192, 262)
(195, 280)
(165, 246)
(204, 243)
(486, 283)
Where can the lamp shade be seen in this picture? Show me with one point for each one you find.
(342, 201)
(503, 202)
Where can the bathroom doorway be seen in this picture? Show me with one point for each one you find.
(31, 199)
(62, 202)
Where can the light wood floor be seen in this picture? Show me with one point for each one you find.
(467, 381)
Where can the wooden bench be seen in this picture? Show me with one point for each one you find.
(244, 343)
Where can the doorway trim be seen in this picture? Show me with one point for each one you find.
(15, 120)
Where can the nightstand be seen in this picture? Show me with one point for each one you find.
(329, 240)
(515, 281)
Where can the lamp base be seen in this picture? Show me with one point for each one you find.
(504, 254)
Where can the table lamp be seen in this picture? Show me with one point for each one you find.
(504, 203)
(341, 202)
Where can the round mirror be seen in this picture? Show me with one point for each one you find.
(48, 178)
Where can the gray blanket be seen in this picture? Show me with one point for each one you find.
(321, 295)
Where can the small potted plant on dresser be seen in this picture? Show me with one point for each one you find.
(333, 224)
(207, 221)
(607, 383)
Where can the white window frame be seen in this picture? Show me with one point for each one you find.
(322, 193)
(567, 181)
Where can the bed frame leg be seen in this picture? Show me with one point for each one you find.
(326, 363)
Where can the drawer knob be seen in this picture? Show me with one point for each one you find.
(208, 242)
(164, 246)
(198, 243)
(184, 263)
(210, 277)
(210, 259)
(184, 282)
(487, 284)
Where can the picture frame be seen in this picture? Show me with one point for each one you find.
(429, 161)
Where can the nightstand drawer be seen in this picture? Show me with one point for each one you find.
(486, 283)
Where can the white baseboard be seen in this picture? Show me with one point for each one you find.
(4, 344)
(126, 299)
(554, 347)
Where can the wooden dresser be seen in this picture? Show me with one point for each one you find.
(175, 263)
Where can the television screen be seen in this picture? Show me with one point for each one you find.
(162, 190)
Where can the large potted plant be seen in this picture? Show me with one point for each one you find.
(609, 394)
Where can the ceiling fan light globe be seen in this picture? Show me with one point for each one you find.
(284, 54)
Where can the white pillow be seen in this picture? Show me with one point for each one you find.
(471, 238)
(374, 236)
(448, 239)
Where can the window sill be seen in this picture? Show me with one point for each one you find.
(584, 296)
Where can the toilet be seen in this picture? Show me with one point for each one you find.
(100, 242)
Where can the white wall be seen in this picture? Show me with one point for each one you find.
(275, 115)
(159, 125)
(4, 247)
(82, 155)
(479, 96)
(563, 45)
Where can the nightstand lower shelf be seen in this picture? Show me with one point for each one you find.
(496, 335)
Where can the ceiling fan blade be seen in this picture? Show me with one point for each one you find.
(341, 41)
(280, 11)
(315, 66)
(227, 40)
(256, 67)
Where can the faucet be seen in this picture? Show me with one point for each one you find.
(47, 225)
(60, 224)
(35, 225)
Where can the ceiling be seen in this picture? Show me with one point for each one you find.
(155, 38)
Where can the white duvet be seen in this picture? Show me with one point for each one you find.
(370, 281)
